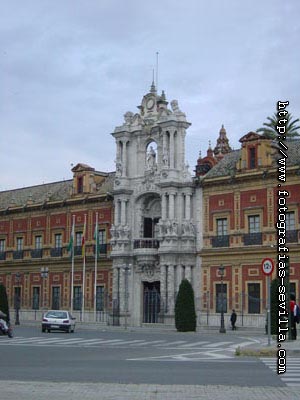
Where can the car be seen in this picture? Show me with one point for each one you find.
(58, 320)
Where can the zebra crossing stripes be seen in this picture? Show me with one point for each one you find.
(292, 375)
(61, 340)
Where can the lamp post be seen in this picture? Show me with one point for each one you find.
(221, 272)
(17, 299)
(44, 275)
(126, 270)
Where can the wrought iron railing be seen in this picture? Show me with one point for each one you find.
(252, 239)
(37, 253)
(146, 244)
(18, 254)
(220, 241)
(291, 236)
(56, 252)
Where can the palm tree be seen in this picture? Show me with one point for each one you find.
(269, 128)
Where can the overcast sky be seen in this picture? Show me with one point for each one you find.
(70, 69)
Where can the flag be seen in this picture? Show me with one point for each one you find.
(83, 238)
(96, 238)
(71, 242)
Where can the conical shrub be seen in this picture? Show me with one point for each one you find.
(185, 314)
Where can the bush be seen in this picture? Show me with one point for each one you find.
(4, 302)
(185, 315)
(274, 306)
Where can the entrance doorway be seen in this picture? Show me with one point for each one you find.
(152, 303)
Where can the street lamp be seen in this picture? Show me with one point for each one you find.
(126, 270)
(221, 273)
(44, 275)
(17, 299)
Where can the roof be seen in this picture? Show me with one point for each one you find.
(49, 192)
(227, 166)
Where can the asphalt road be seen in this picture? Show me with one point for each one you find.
(130, 357)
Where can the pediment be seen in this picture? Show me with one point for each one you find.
(251, 136)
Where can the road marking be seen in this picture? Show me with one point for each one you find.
(292, 375)
(148, 343)
(194, 344)
(171, 343)
(219, 344)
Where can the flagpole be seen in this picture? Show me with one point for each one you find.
(72, 268)
(83, 272)
(96, 260)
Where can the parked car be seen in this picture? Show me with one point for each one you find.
(61, 320)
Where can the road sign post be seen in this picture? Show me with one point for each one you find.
(267, 266)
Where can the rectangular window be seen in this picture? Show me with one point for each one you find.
(221, 226)
(2, 245)
(35, 298)
(252, 158)
(100, 298)
(78, 239)
(80, 184)
(77, 298)
(293, 289)
(254, 298)
(20, 241)
(221, 297)
(254, 223)
(290, 221)
(58, 240)
(55, 297)
(38, 242)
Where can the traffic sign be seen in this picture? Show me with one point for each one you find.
(267, 266)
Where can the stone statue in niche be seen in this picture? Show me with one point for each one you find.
(165, 158)
(151, 158)
(119, 167)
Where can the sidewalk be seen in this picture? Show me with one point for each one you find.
(13, 390)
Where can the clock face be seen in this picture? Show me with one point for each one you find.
(150, 104)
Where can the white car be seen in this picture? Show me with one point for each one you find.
(60, 320)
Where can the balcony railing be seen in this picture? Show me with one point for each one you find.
(102, 249)
(37, 253)
(56, 252)
(291, 236)
(77, 250)
(220, 241)
(146, 244)
(252, 239)
(2, 255)
(18, 255)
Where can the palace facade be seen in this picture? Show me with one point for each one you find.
(35, 229)
(241, 205)
(157, 224)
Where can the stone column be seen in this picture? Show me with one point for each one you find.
(172, 205)
(188, 273)
(163, 286)
(171, 288)
(188, 206)
(172, 155)
(163, 206)
(117, 210)
(123, 212)
(124, 158)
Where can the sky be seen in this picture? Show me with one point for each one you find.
(70, 69)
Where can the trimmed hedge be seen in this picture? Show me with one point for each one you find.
(185, 314)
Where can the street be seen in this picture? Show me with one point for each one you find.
(132, 357)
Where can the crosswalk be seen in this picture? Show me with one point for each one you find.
(61, 341)
(292, 375)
